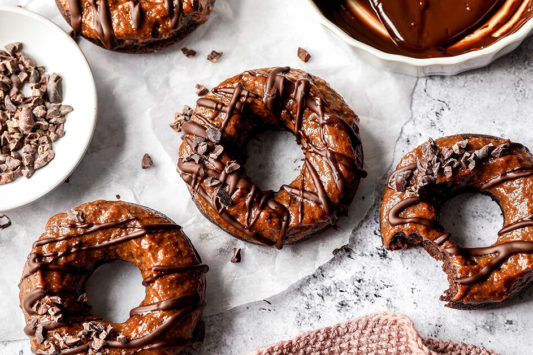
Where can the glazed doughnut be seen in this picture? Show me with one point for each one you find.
(74, 244)
(211, 155)
(135, 26)
(436, 171)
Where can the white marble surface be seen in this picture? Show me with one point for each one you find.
(496, 100)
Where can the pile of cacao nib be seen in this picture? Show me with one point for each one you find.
(446, 162)
(94, 333)
(28, 124)
(205, 149)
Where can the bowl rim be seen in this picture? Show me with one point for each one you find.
(90, 92)
(492, 49)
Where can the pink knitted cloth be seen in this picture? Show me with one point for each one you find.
(380, 333)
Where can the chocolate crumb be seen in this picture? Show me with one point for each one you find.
(448, 171)
(201, 90)
(460, 147)
(236, 256)
(117, 196)
(224, 197)
(122, 339)
(5, 221)
(303, 55)
(401, 180)
(214, 56)
(231, 167)
(344, 249)
(202, 148)
(215, 154)
(500, 150)
(147, 161)
(187, 111)
(212, 182)
(214, 135)
(189, 53)
(39, 334)
(76, 216)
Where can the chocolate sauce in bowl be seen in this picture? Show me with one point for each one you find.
(428, 28)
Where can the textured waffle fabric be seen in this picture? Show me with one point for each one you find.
(380, 333)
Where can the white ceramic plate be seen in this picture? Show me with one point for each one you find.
(50, 46)
(431, 66)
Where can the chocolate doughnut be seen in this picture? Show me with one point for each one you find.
(211, 155)
(135, 26)
(74, 244)
(434, 172)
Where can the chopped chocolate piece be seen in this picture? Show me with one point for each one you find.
(236, 255)
(303, 55)
(484, 152)
(13, 48)
(344, 249)
(179, 118)
(201, 90)
(500, 150)
(189, 53)
(214, 135)
(448, 171)
(76, 216)
(202, 148)
(39, 334)
(26, 121)
(401, 180)
(122, 339)
(212, 182)
(472, 162)
(5, 221)
(224, 197)
(231, 167)
(187, 111)
(426, 180)
(214, 56)
(9, 105)
(447, 153)
(97, 343)
(215, 154)
(82, 298)
(55, 88)
(147, 161)
(196, 157)
(460, 147)
(196, 142)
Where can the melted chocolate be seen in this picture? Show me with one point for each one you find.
(428, 28)
(277, 86)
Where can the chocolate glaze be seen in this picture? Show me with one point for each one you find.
(225, 108)
(498, 176)
(428, 28)
(51, 255)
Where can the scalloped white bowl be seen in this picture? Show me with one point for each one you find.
(50, 46)
(431, 66)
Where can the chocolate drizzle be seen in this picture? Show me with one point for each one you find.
(136, 14)
(277, 86)
(103, 23)
(75, 16)
(51, 262)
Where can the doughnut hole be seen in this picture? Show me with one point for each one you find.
(472, 219)
(114, 289)
(274, 158)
